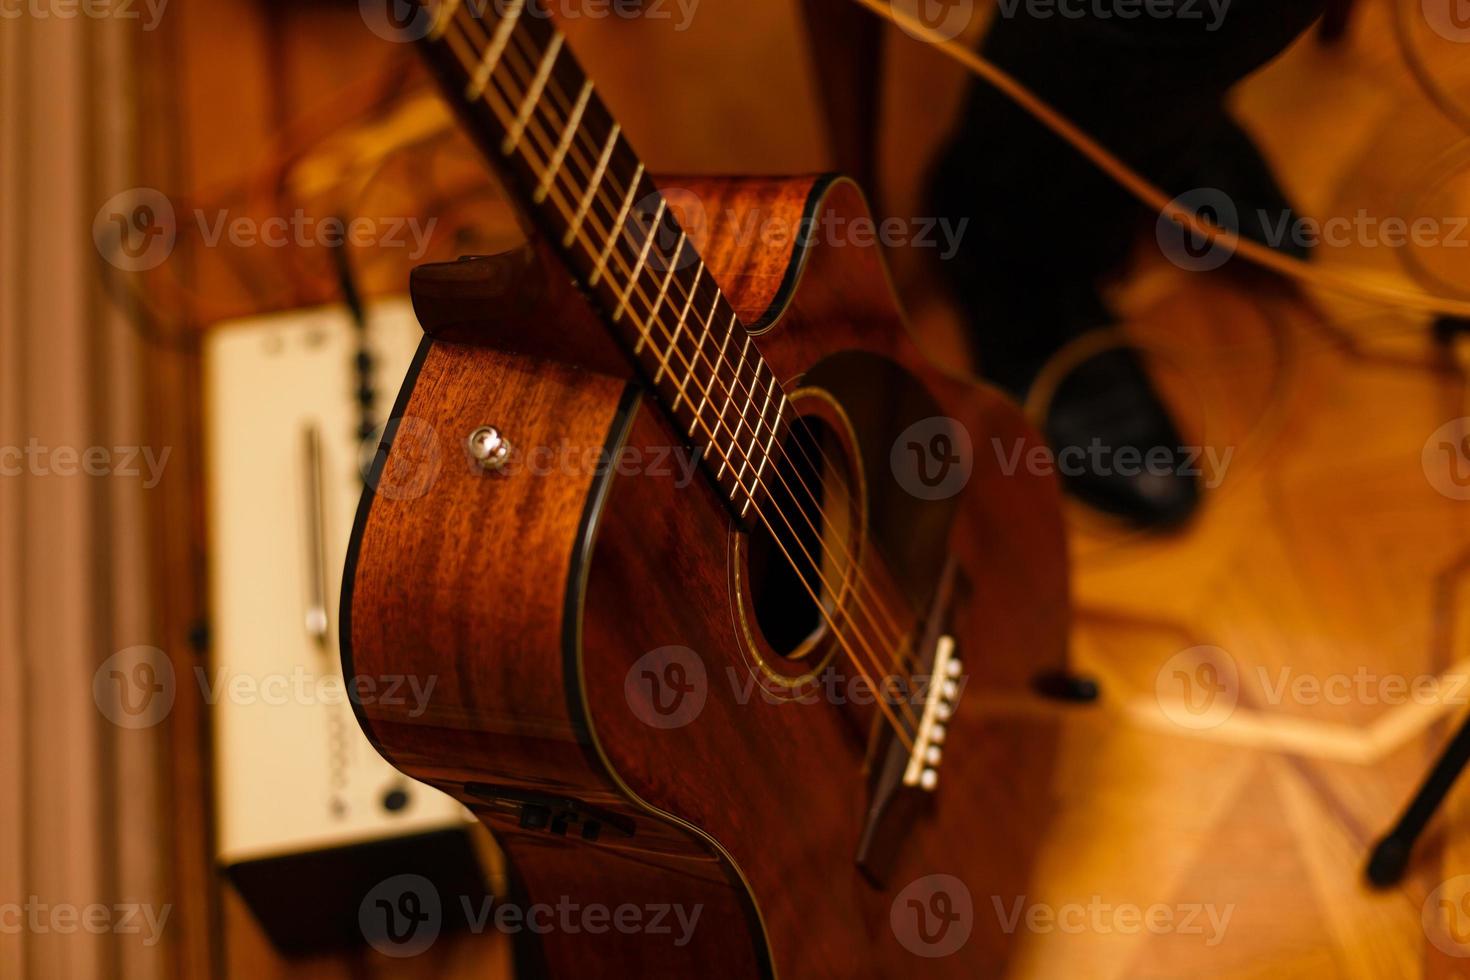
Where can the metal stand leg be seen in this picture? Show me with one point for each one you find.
(1391, 856)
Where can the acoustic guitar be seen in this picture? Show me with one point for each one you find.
(713, 573)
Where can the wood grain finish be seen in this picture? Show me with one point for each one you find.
(529, 596)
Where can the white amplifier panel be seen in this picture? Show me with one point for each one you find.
(294, 772)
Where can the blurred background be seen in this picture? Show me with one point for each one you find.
(191, 371)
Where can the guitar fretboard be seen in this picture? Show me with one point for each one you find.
(539, 119)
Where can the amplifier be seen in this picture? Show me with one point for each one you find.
(308, 815)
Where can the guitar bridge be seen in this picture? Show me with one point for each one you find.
(906, 773)
(939, 704)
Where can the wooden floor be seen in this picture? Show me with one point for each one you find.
(1255, 733)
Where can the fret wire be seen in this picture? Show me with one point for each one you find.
(442, 18)
(493, 51)
(766, 453)
(729, 397)
(616, 231)
(704, 334)
(637, 269)
(737, 380)
(568, 132)
(663, 292)
(533, 94)
(586, 203)
(718, 360)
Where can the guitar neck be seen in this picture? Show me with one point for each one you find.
(568, 164)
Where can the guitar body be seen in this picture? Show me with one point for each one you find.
(605, 696)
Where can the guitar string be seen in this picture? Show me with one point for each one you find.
(876, 661)
(581, 140)
(838, 634)
(861, 583)
(900, 642)
(899, 645)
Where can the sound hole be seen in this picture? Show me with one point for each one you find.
(801, 554)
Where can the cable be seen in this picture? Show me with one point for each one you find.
(1349, 282)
